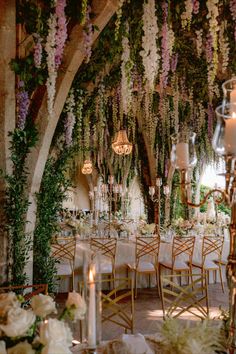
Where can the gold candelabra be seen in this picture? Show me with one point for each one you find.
(183, 156)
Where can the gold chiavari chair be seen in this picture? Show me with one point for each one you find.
(63, 250)
(212, 246)
(106, 249)
(27, 291)
(146, 259)
(118, 304)
(191, 299)
(182, 255)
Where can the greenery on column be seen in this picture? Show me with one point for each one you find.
(17, 204)
(49, 204)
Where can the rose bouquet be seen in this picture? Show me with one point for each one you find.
(30, 330)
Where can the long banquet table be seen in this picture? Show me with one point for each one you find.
(125, 254)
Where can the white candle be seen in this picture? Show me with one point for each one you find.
(233, 102)
(92, 310)
(230, 135)
(151, 191)
(182, 156)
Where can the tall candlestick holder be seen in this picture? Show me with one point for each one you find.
(155, 195)
(224, 144)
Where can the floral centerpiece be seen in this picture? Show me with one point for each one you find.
(30, 330)
(147, 229)
(182, 227)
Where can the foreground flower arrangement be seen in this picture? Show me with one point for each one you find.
(30, 331)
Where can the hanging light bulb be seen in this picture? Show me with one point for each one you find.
(121, 144)
(87, 168)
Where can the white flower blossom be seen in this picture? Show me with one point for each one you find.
(126, 84)
(199, 42)
(43, 305)
(150, 53)
(224, 46)
(50, 49)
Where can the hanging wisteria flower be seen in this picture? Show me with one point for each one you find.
(232, 6)
(213, 13)
(174, 62)
(38, 51)
(87, 35)
(210, 113)
(61, 33)
(118, 18)
(126, 83)
(165, 48)
(186, 16)
(83, 11)
(224, 46)
(70, 118)
(50, 49)
(22, 102)
(199, 42)
(149, 53)
(209, 50)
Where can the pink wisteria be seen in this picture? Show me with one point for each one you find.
(38, 51)
(165, 48)
(61, 34)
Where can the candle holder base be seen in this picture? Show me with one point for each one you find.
(90, 351)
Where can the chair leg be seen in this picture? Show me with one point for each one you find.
(157, 282)
(221, 278)
(135, 283)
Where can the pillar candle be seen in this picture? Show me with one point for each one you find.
(182, 156)
(92, 310)
(230, 135)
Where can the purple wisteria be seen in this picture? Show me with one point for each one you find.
(196, 6)
(232, 6)
(38, 51)
(165, 48)
(61, 34)
(22, 102)
(87, 35)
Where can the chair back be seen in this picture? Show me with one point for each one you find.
(212, 245)
(28, 291)
(118, 303)
(105, 247)
(147, 246)
(191, 299)
(183, 246)
(63, 248)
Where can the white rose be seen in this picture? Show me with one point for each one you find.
(55, 330)
(18, 322)
(76, 304)
(3, 347)
(7, 301)
(22, 347)
(56, 347)
(43, 305)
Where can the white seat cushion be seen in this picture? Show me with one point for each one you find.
(104, 267)
(145, 267)
(63, 269)
(177, 265)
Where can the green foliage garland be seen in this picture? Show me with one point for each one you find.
(17, 204)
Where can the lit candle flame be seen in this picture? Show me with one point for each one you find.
(234, 115)
(91, 275)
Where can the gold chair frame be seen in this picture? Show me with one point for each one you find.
(212, 244)
(111, 301)
(36, 289)
(106, 247)
(63, 248)
(181, 245)
(146, 246)
(182, 299)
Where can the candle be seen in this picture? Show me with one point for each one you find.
(92, 310)
(152, 190)
(182, 156)
(233, 102)
(230, 135)
(158, 182)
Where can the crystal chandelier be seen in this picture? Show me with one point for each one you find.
(121, 144)
(87, 168)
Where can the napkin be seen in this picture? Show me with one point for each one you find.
(129, 344)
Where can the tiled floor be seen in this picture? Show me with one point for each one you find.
(148, 312)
